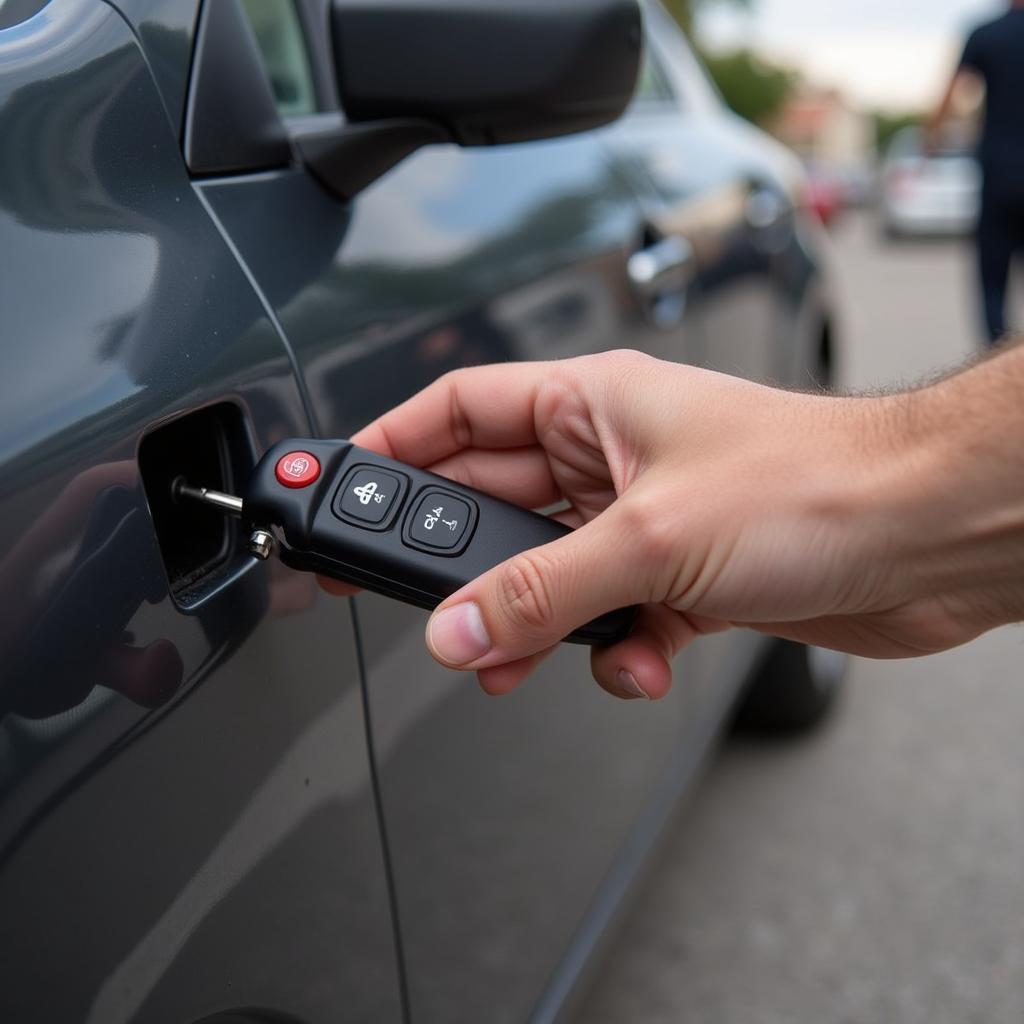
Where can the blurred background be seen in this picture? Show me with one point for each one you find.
(874, 873)
(849, 86)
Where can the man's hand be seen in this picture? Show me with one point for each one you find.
(713, 502)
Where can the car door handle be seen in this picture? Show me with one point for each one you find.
(765, 209)
(661, 274)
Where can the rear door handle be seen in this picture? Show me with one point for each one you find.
(661, 274)
(765, 209)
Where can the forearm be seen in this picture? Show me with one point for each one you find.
(940, 114)
(960, 480)
(944, 109)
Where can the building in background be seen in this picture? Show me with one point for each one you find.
(835, 138)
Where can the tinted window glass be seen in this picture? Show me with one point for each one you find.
(280, 38)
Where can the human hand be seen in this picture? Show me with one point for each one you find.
(709, 500)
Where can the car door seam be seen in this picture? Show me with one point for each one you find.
(268, 309)
(378, 798)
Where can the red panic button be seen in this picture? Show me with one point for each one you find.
(297, 469)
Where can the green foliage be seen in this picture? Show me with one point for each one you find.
(753, 88)
(685, 10)
(887, 125)
(682, 11)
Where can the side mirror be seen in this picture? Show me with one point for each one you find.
(474, 72)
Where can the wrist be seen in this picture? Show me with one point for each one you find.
(950, 498)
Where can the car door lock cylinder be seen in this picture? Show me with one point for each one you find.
(385, 526)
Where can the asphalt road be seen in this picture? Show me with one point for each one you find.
(873, 874)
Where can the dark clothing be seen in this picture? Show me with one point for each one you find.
(995, 51)
(1000, 236)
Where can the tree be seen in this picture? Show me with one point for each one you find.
(684, 11)
(753, 88)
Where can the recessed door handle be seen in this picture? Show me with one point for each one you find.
(661, 274)
(764, 209)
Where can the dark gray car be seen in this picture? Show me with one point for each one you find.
(225, 795)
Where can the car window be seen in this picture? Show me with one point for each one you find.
(653, 86)
(689, 82)
(283, 46)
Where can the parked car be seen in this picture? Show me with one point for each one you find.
(929, 193)
(226, 796)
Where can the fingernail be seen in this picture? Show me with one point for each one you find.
(457, 635)
(629, 686)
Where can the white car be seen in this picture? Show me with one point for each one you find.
(929, 194)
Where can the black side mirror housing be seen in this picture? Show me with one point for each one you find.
(474, 72)
(489, 71)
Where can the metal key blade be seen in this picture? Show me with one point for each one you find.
(219, 499)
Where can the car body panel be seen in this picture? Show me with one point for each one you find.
(183, 794)
(739, 197)
(217, 843)
(461, 257)
(165, 30)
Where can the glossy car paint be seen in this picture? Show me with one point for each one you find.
(514, 826)
(183, 795)
(165, 29)
(505, 818)
(502, 817)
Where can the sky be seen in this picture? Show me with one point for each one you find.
(887, 54)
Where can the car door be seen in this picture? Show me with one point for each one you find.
(187, 819)
(705, 180)
(505, 819)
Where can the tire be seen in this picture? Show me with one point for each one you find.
(891, 233)
(794, 690)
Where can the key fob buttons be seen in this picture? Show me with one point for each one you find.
(297, 469)
(370, 497)
(440, 523)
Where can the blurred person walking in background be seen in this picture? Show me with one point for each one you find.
(994, 54)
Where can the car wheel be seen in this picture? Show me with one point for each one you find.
(793, 691)
(891, 233)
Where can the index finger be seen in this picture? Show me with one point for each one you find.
(478, 407)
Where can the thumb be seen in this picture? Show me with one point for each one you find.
(536, 598)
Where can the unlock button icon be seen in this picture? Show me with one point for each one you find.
(439, 522)
(369, 496)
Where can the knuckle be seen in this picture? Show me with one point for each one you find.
(655, 532)
(625, 375)
(525, 592)
(620, 358)
(451, 384)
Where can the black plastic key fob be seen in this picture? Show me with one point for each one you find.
(393, 529)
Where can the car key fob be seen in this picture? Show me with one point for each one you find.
(399, 531)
